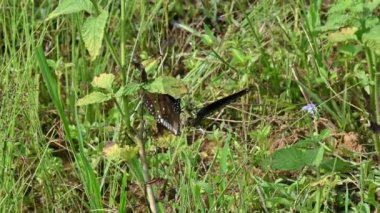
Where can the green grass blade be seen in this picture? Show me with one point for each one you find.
(86, 173)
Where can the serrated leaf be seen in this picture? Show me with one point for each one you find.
(93, 98)
(130, 89)
(114, 152)
(372, 39)
(103, 81)
(167, 85)
(71, 6)
(93, 32)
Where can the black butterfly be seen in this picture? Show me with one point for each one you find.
(166, 109)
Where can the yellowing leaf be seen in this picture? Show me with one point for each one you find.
(92, 98)
(343, 34)
(93, 32)
(113, 151)
(103, 81)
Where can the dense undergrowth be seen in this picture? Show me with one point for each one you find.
(306, 138)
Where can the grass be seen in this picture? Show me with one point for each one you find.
(259, 154)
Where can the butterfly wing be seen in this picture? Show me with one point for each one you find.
(165, 109)
(210, 108)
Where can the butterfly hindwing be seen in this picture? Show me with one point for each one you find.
(165, 109)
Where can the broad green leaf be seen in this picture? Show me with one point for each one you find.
(130, 89)
(71, 6)
(294, 159)
(311, 157)
(335, 165)
(287, 159)
(350, 50)
(312, 141)
(372, 39)
(93, 32)
(104, 81)
(335, 21)
(318, 157)
(167, 85)
(114, 152)
(93, 98)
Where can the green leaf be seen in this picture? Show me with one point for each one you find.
(350, 50)
(372, 39)
(93, 32)
(129, 89)
(287, 159)
(335, 165)
(167, 85)
(114, 152)
(93, 98)
(318, 157)
(294, 159)
(104, 81)
(71, 6)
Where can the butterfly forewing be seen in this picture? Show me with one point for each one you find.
(165, 109)
(216, 105)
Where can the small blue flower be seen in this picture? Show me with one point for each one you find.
(310, 108)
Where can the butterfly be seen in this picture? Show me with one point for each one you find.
(167, 109)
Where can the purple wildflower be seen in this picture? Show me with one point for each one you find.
(310, 108)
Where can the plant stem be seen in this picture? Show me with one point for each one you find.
(319, 194)
(374, 93)
(149, 189)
